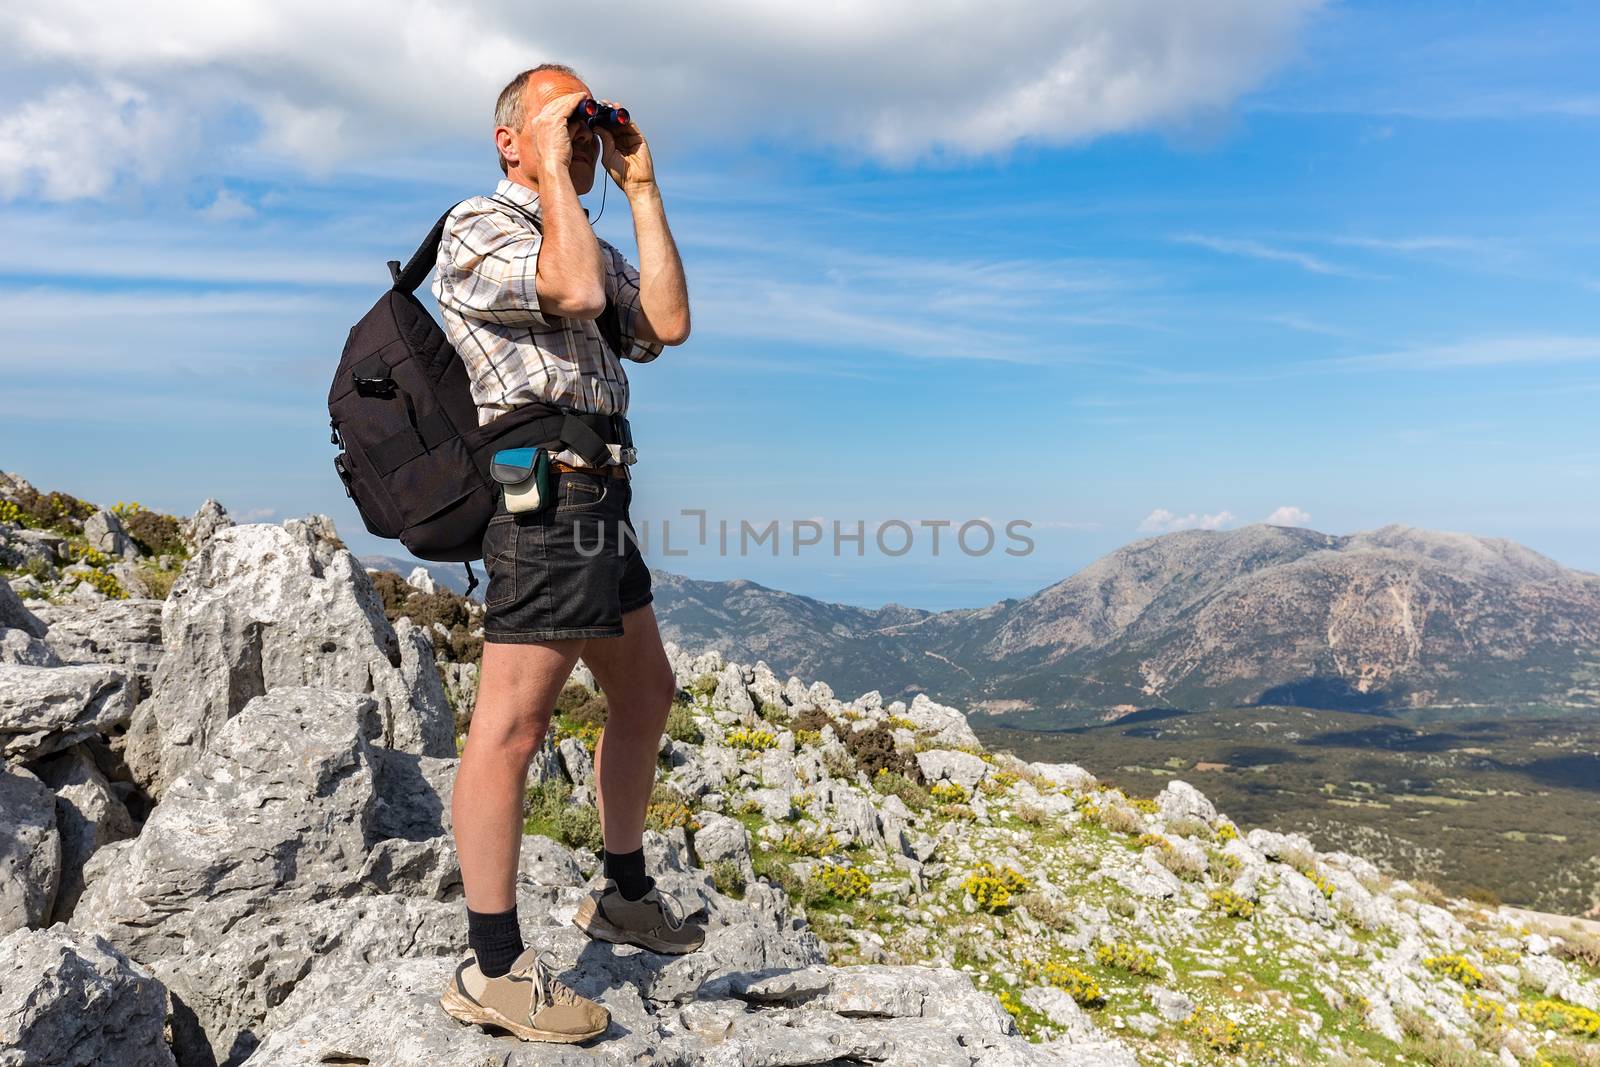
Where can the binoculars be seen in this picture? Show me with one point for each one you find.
(593, 113)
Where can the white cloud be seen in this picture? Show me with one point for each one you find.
(1163, 521)
(1288, 515)
(899, 80)
(226, 208)
(74, 142)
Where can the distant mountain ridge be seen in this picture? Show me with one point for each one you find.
(1391, 618)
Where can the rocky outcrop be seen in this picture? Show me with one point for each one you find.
(30, 850)
(68, 1000)
(46, 709)
(90, 814)
(13, 615)
(261, 607)
(119, 633)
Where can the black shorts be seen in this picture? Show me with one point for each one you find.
(571, 569)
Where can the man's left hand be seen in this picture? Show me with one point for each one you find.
(626, 156)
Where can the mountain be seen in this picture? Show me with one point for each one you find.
(1392, 618)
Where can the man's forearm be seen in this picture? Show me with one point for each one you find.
(570, 275)
(663, 291)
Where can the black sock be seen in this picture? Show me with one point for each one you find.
(495, 938)
(627, 870)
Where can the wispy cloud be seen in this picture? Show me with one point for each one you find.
(1250, 249)
(1482, 352)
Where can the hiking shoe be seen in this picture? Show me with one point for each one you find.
(527, 1000)
(649, 922)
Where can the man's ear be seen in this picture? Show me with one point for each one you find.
(507, 144)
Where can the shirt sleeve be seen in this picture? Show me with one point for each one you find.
(622, 286)
(487, 268)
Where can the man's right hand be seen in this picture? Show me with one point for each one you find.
(552, 135)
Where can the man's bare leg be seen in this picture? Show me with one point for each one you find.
(517, 689)
(639, 686)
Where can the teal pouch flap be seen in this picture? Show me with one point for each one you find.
(513, 465)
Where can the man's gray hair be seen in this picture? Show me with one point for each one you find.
(509, 110)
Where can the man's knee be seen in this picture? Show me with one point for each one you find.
(518, 736)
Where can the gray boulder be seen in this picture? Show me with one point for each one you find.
(261, 607)
(46, 709)
(13, 615)
(89, 814)
(21, 648)
(945, 726)
(70, 1000)
(121, 633)
(104, 531)
(205, 522)
(1180, 800)
(266, 858)
(962, 768)
(30, 850)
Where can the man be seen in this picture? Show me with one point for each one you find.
(521, 279)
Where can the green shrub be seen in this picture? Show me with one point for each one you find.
(548, 811)
(948, 792)
(106, 584)
(750, 740)
(1122, 956)
(993, 887)
(812, 720)
(1564, 1018)
(874, 749)
(831, 882)
(808, 842)
(1216, 1033)
(681, 726)
(728, 878)
(578, 826)
(893, 783)
(669, 808)
(1457, 967)
(1080, 986)
(459, 616)
(155, 533)
(1232, 904)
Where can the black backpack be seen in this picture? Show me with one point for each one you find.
(415, 460)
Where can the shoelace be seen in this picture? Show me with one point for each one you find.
(674, 920)
(543, 978)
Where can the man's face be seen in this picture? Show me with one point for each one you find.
(540, 90)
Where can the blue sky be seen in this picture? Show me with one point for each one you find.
(1333, 263)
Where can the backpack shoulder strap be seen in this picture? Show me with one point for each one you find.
(407, 278)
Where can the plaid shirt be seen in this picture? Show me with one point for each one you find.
(484, 282)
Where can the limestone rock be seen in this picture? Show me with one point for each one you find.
(724, 840)
(30, 850)
(104, 531)
(21, 648)
(962, 768)
(121, 633)
(68, 1000)
(420, 579)
(947, 727)
(1180, 800)
(13, 615)
(261, 607)
(46, 709)
(88, 815)
(206, 521)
